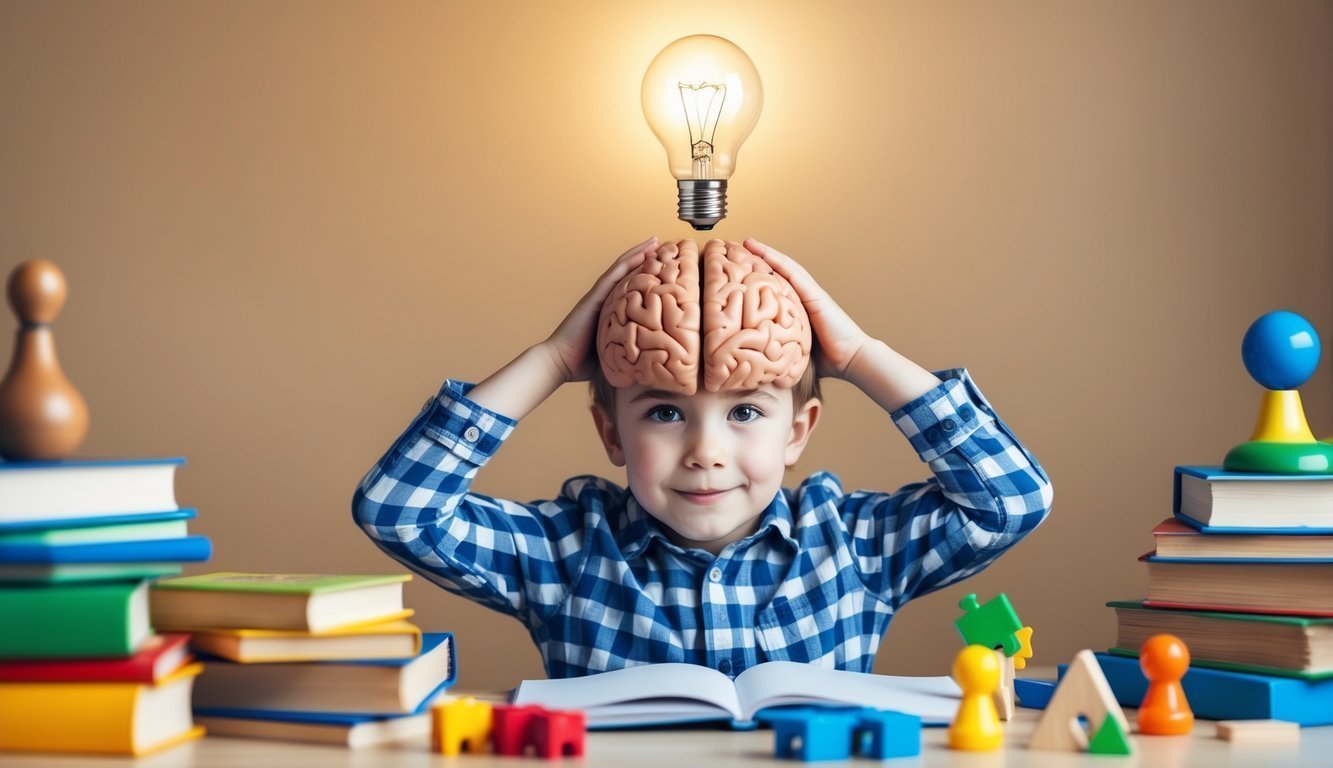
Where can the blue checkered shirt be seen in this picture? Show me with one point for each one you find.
(599, 587)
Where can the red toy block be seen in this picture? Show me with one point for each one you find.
(550, 733)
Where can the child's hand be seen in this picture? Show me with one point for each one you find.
(571, 345)
(838, 338)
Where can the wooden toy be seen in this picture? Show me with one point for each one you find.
(550, 733)
(976, 726)
(1165, 710)
(1110, 740)
(460, 724)
(1281, 351)
(1024, 636)
(1082, 693)
(1004, 692)
(993, 624)
(42, 416)
(1219, 694)
(1258, 732)
(836, 733)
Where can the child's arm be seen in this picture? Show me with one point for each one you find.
(415, 502)
(987, 491)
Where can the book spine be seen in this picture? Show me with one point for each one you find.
(85, 620)
(68, 717)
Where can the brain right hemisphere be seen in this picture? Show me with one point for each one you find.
(741, 327)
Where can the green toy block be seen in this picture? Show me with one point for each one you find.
(992, 625)
(1110, 739)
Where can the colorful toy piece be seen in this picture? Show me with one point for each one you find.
(976, 726)
(1083, 694)
(836, 733)
(994, 624)
(1024, 636)
(550, 733)
(1258, 732)
(1110, 740)
(1281, 351)
(460, 724)
(1165, 710)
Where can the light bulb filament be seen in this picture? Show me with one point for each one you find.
(702, 103)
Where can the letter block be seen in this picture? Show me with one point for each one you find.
(458, 724)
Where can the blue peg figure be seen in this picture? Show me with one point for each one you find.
(1281, 351)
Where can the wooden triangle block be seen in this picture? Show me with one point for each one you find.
(1110, 740)
(1083, 691)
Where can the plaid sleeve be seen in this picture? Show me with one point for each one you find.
(415, 505)
(986, 493)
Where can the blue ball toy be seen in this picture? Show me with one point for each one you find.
(1280, 350)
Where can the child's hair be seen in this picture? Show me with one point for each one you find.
(604, 395)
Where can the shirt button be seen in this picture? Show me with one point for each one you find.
(715, 574)
(965, 413)
(933, 435)
(472, 434)
(947, 425)
(724, 666)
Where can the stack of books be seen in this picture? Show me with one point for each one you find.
(307, 657)
(81, 668)
(1241, 574)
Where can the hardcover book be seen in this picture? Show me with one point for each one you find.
(1217, 499)
(373, 688)
(351, 731)
(1293, 587)
(394, 639)
(73, 620)
(47, 491)
(1176, 539)
(160, 656)
(306, 602)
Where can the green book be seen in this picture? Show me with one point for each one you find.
(308, 602)
(69, 573)
(96, 534)
(1266, 644)
(76, 620)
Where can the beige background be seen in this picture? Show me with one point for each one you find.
(285, 223)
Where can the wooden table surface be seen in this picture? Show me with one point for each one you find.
(685, 748)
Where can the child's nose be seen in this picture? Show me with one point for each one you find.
(705, 449)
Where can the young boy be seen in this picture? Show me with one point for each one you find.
(704, 558)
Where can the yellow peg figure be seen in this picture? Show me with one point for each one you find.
(976, 726)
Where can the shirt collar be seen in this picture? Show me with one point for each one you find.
(638, 529)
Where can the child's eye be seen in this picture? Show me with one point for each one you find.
(664, 413)
(744, 413)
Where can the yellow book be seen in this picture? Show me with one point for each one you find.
(394, 639)
(108, 718)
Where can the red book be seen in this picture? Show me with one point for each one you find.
(160, 656)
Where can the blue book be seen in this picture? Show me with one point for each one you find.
(1216, 694)
(1215, 501)
(48, 491)
(27, 527)
(368, 689)
(183, 549)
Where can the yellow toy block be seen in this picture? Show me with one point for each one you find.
(460, 724)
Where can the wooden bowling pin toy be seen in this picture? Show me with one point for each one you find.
(976, 726)
(42, 416)
(1165, 711)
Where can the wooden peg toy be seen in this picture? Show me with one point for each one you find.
(1082, 693)
(1258, 731)
(460, 724)
(976, 726)
(1165, 710)
(1004, 693)
(993, 624)
(42, 416)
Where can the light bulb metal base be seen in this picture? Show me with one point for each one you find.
(703, 202)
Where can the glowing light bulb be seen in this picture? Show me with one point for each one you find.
(702, 97)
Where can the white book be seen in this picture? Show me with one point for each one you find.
(659, 694)
(50, 491)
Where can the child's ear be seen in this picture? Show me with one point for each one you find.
(606, 429)
(802, 425)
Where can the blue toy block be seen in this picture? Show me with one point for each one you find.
(881, 734)
(836, 733)
(1032, 693)
(1216, 694)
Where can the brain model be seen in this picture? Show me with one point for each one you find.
(719, 320)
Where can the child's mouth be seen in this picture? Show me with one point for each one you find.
(703, 497)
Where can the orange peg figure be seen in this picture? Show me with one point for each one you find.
(1165, 711)
(42, 416)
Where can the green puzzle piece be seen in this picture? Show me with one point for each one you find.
(992, 625)
(1110, 739)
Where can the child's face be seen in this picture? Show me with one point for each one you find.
(706, 465)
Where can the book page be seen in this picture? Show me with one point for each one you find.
(933, 699)
(675, 682)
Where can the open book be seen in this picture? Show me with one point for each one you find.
(660, 694)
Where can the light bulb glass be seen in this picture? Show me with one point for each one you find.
(702, 97)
